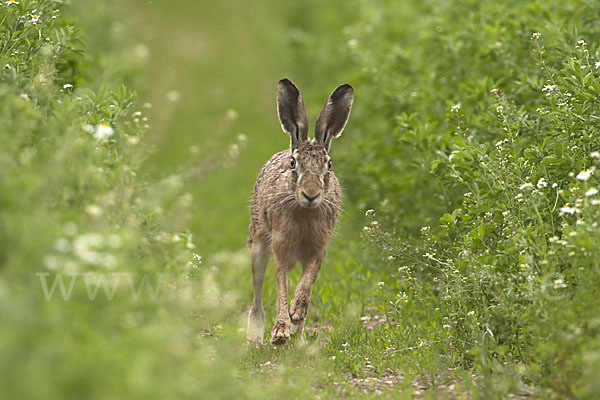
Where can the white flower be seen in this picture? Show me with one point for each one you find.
(584, 174)
(595, 154)
(35, 18)
(455, 108)
(9, 2)
(232, 114)
(381, 284)
(51, 262)
(63, 245)
(67, 86)
(94, 210)
(554, 185)
(559, 284)
(567, 209)
(85, 247)
(88, 128)
(597, 64)
(536, 35)
(499, 109)
(581, 42)
(519, 197)
(542, 183)
(370, 213)
(525, 185)
(592, 191)
(173, 96)
(103, 131)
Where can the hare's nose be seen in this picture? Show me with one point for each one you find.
(310, 199)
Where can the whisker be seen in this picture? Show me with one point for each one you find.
(339, 208)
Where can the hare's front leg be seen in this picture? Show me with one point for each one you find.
(299, 307)
(281, 329)
(256, 316)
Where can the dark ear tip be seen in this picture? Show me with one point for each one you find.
(344, 90)
(285, 82)
(346, 87)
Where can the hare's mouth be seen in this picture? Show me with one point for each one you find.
(310, 201)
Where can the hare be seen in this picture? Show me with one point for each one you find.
(294, 208)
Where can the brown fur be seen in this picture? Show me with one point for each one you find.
(294, 210)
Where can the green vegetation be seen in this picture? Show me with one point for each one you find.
(466, 258)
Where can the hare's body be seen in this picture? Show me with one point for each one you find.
(272, 205)
(294, 209)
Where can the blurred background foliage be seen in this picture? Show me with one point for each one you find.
(465, 262)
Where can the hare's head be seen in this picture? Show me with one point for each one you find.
(310, 163)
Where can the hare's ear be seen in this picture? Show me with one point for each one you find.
(292, 113)
(334, 115)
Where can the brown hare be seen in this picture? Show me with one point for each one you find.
(294, 208)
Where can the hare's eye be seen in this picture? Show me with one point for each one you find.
(293, 163)
(329, 165)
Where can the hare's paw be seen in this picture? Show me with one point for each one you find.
(256, 325)
(298, 309)
(281, 332)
